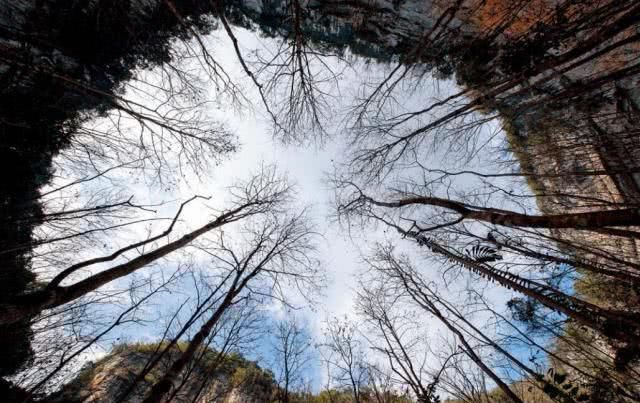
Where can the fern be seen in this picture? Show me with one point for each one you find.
(483, 254)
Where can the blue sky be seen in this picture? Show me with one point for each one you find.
(308, 167)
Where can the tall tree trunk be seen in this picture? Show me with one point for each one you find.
(625, 276)
(32, 304)
(616, 325)
(587, 220)
(428, 305)
(164, 385)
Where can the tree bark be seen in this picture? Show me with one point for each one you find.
(31, 304)
(164, 385)
(430, 307)
(613, 324)
(588, 220)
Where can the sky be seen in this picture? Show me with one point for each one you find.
(308, 167)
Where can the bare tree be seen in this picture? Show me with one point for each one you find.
(400, 277)
(292, 351)
(387, 140)
(128, 315)
(260, 195)
(627, 217)
(278, 250)
(343, 351)
(298, 78)
(397, 336)
(405, 283)
(448, 237)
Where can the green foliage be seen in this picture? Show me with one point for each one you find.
(345, 396)
(525, 310)
(252, 377)
(561, 390)
(242, 374)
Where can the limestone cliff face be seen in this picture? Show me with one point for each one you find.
(381, 27)
(223, 379)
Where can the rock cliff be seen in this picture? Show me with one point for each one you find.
(213, 378)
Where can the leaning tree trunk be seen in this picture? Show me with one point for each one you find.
(613, 324)
(428, 305)
(32, 304)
